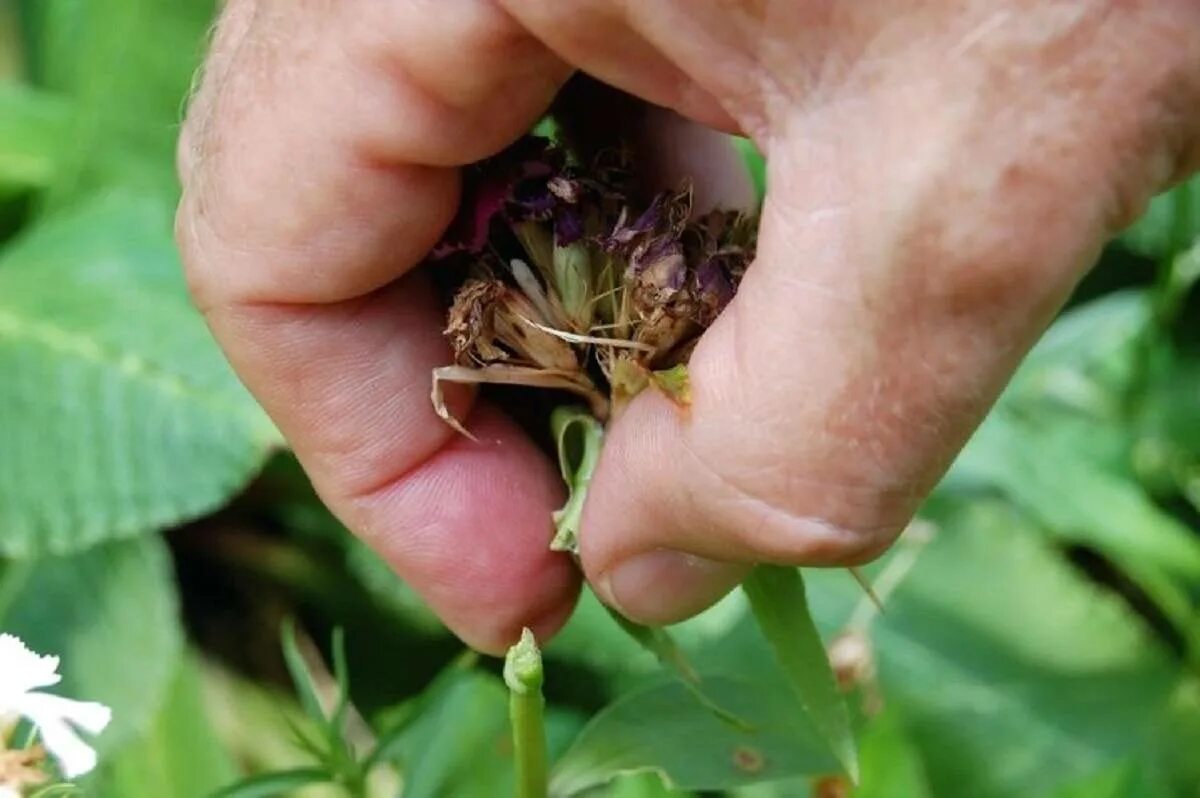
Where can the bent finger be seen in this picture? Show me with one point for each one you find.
(318, 170)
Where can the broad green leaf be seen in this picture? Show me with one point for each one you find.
(1130, 779)
(179, 755)
(1087, 359)
(641, 785)
(1076, 500)
(780, 607)
(395, 722)
(1177, 739)
(109, 613)
(1013, 673)
(662, 729)
(269, 785)
(127, 65)
(120, 414)
(10, 42)
(33, 132)
(662, 644)
(891, 765)
(1170, 224)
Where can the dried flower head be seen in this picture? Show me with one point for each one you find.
(576, 285)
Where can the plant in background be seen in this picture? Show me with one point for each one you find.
(36, 726)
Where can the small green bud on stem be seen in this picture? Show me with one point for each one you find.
(523, 674)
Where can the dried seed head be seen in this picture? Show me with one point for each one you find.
(612, 286)
(489, 322)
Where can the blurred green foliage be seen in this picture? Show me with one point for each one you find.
(1042, 633)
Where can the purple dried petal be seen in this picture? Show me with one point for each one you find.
(469, 230)
(714, 290)
(519, 175)
(659, 260)
(531, 200)
(568, 227)
(656, 275)
(625, 233)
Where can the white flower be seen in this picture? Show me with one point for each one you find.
(57, 719)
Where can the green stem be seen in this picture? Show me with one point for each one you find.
(523, 675)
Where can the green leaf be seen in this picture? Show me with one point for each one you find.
(393, 737)
(675, 383)
(578, 437)
(1014, 673)
(178, 756)
(33, 130)
(57, 791)
(1177, 278)
(127, 65)
(1087, 360)
(341, 676)
(302, 678)
(1076, 500)
(109, 613)
(268, 785)
(1170, 224)
(891, 765)
(121, 415)
(1177, 739)
(641, 785)
(661, 728)
(780, 606)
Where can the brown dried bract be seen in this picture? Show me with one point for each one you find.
(491, 322)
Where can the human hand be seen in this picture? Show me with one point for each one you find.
(939, 180)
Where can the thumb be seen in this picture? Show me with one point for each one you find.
(919, 235)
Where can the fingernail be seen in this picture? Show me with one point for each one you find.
(663, 586)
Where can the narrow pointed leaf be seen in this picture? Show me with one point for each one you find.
(778, 600)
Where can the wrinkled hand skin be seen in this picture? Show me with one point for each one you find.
(941, 174)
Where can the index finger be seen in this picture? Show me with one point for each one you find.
(319, 165)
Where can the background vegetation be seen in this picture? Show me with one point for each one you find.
(1041, 636)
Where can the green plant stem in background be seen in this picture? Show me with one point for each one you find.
(523, 674)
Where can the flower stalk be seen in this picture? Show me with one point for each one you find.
(524, 675)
